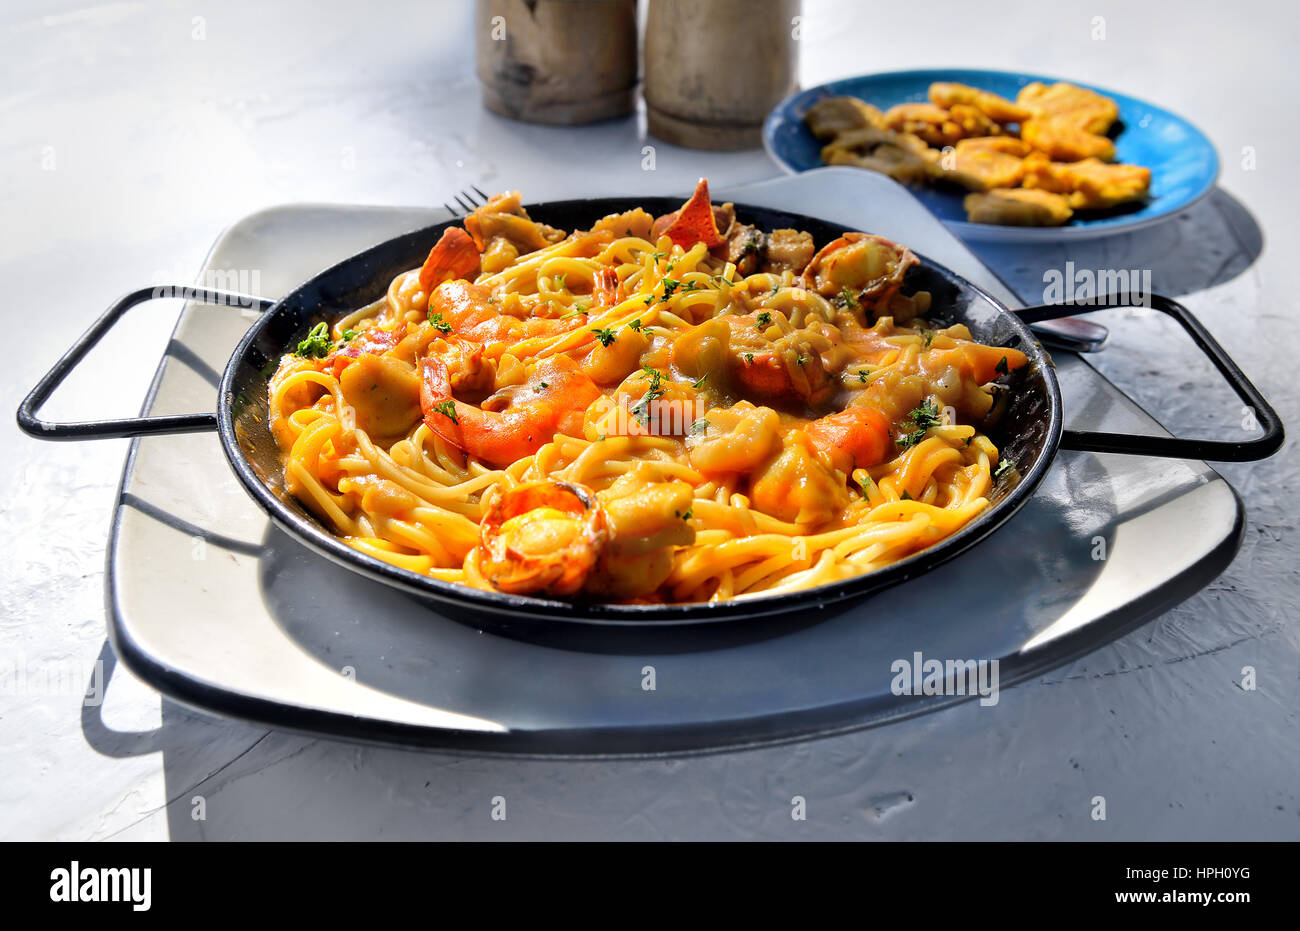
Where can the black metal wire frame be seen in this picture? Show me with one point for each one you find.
(31, 424)
(1167, 446)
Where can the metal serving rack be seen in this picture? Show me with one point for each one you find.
(213, 606)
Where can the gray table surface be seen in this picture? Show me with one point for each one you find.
(133, 133)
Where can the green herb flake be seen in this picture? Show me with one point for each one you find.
(606, 335)
(447, 409)
(635, 324)
(442, 326)
(764, 320)
(700, 381)
(1005, 466)
(317, 345)
(1001, 367)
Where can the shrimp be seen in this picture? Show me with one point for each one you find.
(454, 256)
(855, 438)
(541, 538)
(533, 413)
(468, 309)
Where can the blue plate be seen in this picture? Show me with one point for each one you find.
(1183, 163)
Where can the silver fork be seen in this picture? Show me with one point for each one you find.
(466, 201)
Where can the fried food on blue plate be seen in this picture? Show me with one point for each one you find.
(901, 156)
(978, 168)
(834, 115)
(1090, 184)
(925, 121)
(974, 122)
(1069, 105)
(948, 95)
(1017, 207)
(1008, 144)
(1063, 142)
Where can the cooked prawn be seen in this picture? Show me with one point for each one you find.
(534, 413)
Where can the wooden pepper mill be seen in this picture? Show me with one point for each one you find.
(714, 69)
(557, 61)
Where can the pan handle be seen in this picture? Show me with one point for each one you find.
(1166, 446)
(130, 426)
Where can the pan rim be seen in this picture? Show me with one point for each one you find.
(594, 614)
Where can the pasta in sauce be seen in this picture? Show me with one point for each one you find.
(657, 410)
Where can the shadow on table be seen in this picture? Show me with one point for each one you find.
(1208, 244)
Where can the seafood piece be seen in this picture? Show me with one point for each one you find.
(616, 355)
(751, 354)
(855, 438)
(999, 109)
(797, 487)
(503, 231)
(384, 392)
(789, 251)
(733, 439)
(468, 310)
(1066, 104)
(647, 520)
(1018, 207)
(1090, 184)
(541, 538)
(516, 421)
(1065, 143)
(834, 115)
(454, 256)
(871, 268)
(694, 222)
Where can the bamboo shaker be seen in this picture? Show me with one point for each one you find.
(557, 61)
(713, 70)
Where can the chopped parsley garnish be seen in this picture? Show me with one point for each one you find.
(801, 360)
(348, 335)
(635, 324)
(700, 426)
(691, 286)
(905, 496)
(764, 319)
(752, 242)
(1001, 367)
(689, 513)
(670, 285)
(749, 358)
(606, 336)
(578, 309)
(659, 255)
(929, 335)
(1005, 466)
(922, 418)
(541, 386)
(559, 281)
(447, 409)
(849, 299)
(649, 299)
(862, 376)
(696, 384)
(641, 409)
(442, 326)
(317, 345)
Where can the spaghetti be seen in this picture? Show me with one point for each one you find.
(672, 409)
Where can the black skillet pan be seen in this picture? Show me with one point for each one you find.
(1029, 433)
